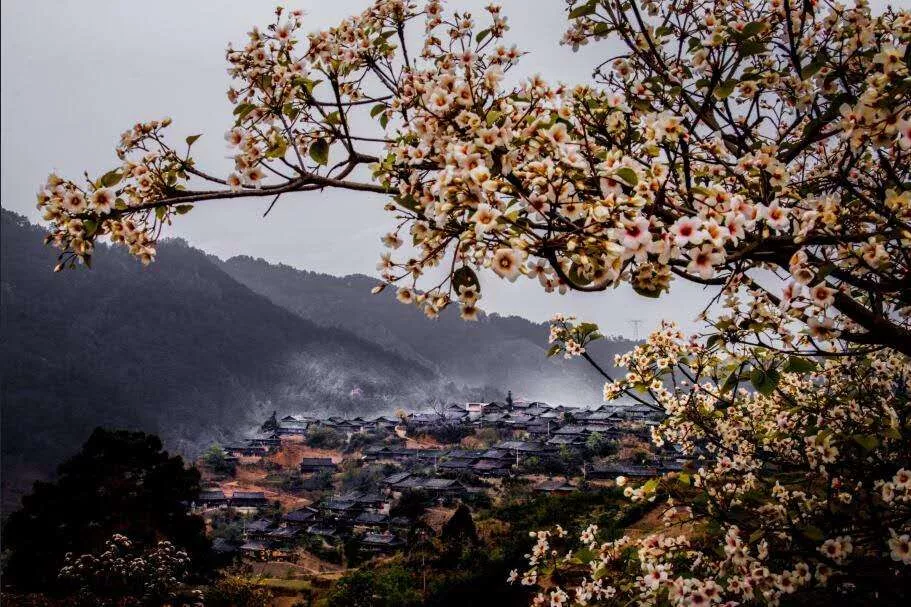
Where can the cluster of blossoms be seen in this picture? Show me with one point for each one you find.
(800, 467)
(123, 576)
(729, 136)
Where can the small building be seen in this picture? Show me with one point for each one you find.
(496, 454)
(380, 542)
(439, 486)
(566, 440)
(611, 470)
(340, 510)
(224, 548)
(211, 498)
(258, 528)
(255, 549)
(314, 465)
(247, 454)
(395, 479)
(323, 530)
(456, 465)
(249, 501)
(301, 516)
(283, 536)
(492, 467)
(367, 521)
(554, 486)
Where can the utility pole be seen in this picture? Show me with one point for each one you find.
(636, 323)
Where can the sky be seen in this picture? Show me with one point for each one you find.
(77, 74)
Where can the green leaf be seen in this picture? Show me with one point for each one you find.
(465, 276)
(796, 364)
(481, 35)
(752, 47)
(809, 70)
(731, 382)
(160, 212)
(378, 109)
(584, 10)
(183, 209)
(492, 117)
(553, 350)
(753, 28)
(812, 532)
(319, 151)
(724, 91)
(654, 294)
(868, 441)
(192, 139)
(111, 178)
(584, 555)
(628, 175)
(243, 109)
(290, 111)
(764, 381)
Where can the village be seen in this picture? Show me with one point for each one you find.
(327, 493)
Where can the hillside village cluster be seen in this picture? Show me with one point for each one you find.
(321, 486)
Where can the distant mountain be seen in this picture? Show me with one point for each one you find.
(508, 352)
(197, 349)
(179, 348)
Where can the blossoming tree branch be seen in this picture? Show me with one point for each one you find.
(763, 147)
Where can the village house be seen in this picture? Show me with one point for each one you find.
(339, 511)
(521, 450)
(611, 470)
(326, 531)
(380, 542)
(300, 517)
(255, 550)
(395, 479)
(313, 465)
(441, 489)
(211, 498)
(293, 427)
(247, 454)
(248, 501)
(492, 467)
(271, 441)
(370, 522)
(554, 486)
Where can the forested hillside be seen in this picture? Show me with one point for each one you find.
(178, 348)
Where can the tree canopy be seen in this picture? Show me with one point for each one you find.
(120, 482)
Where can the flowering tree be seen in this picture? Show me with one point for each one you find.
(122, 576)
(762, 147)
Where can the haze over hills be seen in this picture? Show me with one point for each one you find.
(508, 352)
(196, 350)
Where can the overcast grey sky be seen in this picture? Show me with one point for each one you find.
(76, 74)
